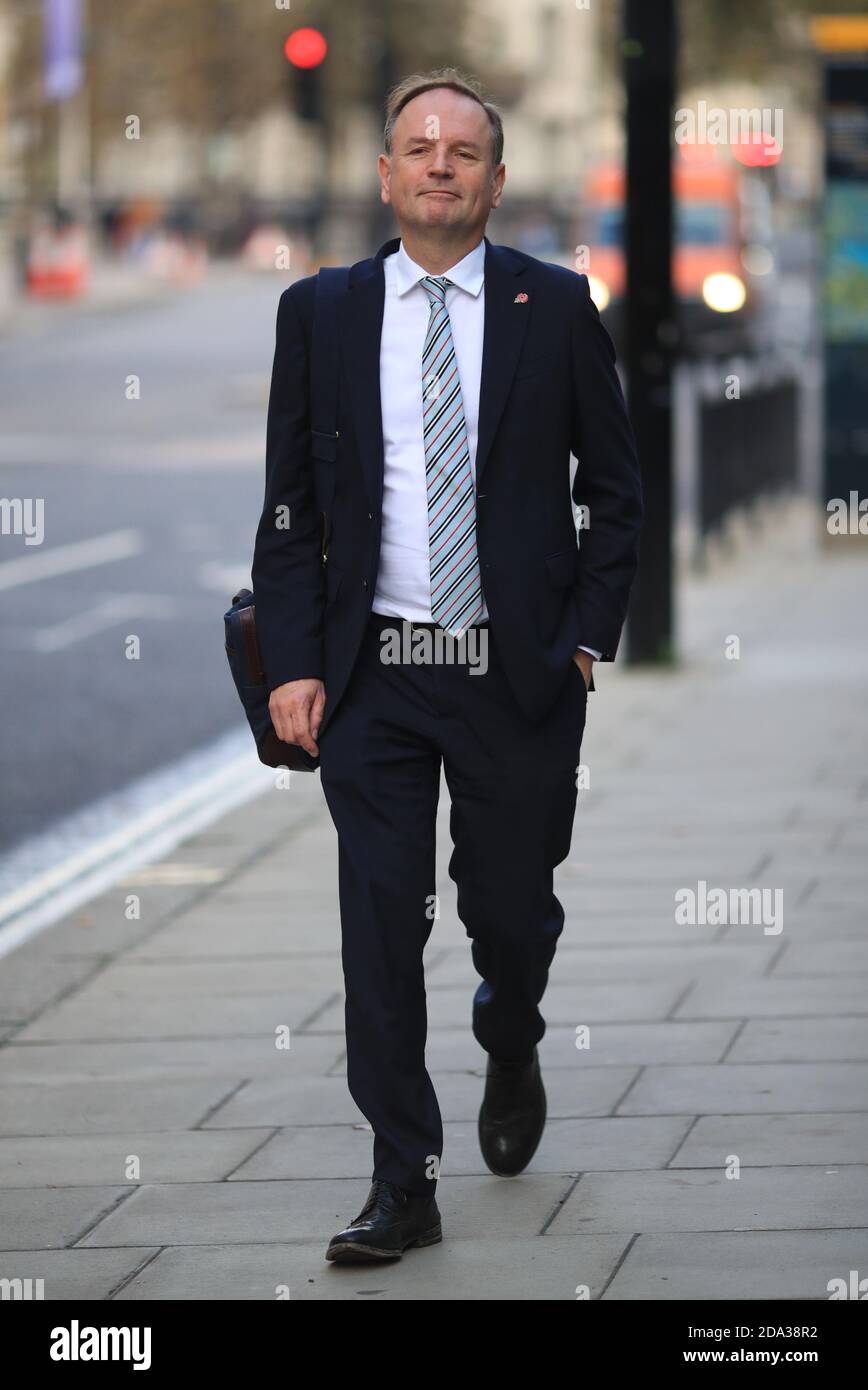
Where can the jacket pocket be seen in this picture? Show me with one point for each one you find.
(324, 452)
(324, 446)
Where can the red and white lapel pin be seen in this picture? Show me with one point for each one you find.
(520, 298)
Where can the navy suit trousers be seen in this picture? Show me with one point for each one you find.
(512, 785)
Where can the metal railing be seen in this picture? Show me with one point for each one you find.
(739, 439)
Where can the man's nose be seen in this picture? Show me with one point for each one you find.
(440, 161)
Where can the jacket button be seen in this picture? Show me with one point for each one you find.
(364, 583)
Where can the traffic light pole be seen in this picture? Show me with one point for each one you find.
(650, 331)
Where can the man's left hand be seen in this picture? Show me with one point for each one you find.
(585, 663)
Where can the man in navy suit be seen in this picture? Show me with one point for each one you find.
(469, 374)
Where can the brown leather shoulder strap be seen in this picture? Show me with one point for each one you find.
(247, 618)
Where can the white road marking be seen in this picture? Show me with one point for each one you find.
(174, 872)
(66, 559)
(157, 812)
(111, 611)
(196, 536)
(223, 578)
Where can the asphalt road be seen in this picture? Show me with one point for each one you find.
(150, 510)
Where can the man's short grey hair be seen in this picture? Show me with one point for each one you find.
(419, 82)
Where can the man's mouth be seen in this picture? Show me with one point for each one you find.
(440, 193)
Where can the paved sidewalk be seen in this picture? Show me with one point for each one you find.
(158, 1143)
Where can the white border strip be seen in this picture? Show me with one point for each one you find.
(155, 813)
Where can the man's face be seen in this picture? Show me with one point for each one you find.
(440, 173)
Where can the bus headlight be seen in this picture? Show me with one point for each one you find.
(599, 291)
(724, 293)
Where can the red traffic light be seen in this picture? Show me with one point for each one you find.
(305, 48)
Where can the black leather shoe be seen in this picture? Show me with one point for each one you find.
(390, 1220)
(512, 1116)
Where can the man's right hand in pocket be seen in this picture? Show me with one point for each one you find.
(296, 711)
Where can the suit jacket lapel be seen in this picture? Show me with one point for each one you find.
(505, 326)
(360, 323)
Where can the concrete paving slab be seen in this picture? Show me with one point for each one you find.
(776, 998)
(103, 1107)
(744, 1088)
(678, 965)
(221, 932)
(101, 926)
(312, 1100)
(264, 1212)
(25, 990)
(775, 1139)
(240, 1058)
(575, 1004)
(689, 1199)
(95, 1013)
(47, 1218)
(76, 1274)
(470, 1270)
(567, 1146)
(608, 1044)
(823, 958)
(185, 1155)
(801, 1040)
(786, 1266)
(202, 978)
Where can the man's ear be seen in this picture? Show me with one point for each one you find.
(384, 169)
(497, 179)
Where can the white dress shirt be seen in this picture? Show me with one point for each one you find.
(403, 588)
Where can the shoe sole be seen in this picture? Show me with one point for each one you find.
(351, 1250)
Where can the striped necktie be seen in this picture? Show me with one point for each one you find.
(456, 591)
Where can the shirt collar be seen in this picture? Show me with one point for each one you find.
(468, 273)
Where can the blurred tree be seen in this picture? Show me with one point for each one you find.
(737, 39)
(744, 40)
(215, 65)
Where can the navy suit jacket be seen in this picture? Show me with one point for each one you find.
(549, 388)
